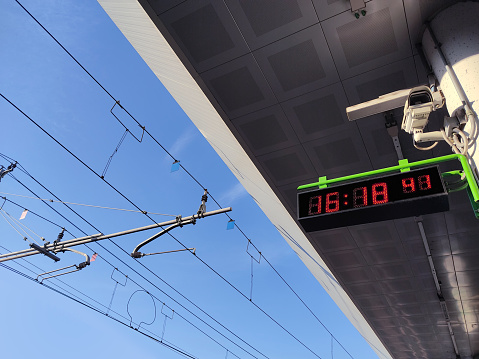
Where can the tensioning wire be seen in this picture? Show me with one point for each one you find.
(99, 244)
(169, 233)
(24, 237)
(173, 348)
(87, 205)
(183, 167)
(79, 291)
(169, 154)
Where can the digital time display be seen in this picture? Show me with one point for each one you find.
(405, 194)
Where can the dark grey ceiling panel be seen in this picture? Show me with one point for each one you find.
(373, 234)
(358, 275)
(420, 267)
(288, 166)
(466, 262)
(368, 26)
(160, 6)
(443, 264)
(379, 144)
(434, 225)
(461, 220)
(439, 246)
(465, 279)
(376, 301)
(206, 33)
(365, 289)
(333, 240)
(459, 200)
(290, 191)
(380, 313)
(385, 253)
(239, 87)
(411, 310)
(388, 323)
(464, 242)
(415, 298)
(266, 130)
(343, 151)
(346, 259)
(373, 89)
(319, 113)
(400, 285)
(355, 44)
(392, 271)
(329, 8)
(263, 22)
(298, 64)
(370, 85)
(474, 342)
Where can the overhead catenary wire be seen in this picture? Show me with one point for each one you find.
(87, 205)
(73, 288)
(170, 286)
(169, 154)
(77, 300)
(25, 237)
(22, 226)
(178, 241)
(143, 277)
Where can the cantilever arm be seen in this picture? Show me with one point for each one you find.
(77, 267)
(136, 254)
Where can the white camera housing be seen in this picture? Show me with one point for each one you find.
(420, 102)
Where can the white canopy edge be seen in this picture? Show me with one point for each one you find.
(142, 33)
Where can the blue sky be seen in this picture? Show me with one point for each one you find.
(40, 78)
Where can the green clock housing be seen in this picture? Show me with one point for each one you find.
(405, 194)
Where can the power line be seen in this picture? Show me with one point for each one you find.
(88, 205)
(189, 173)
(75, 289)
(178, 241)
(104, 248)
(169, 346)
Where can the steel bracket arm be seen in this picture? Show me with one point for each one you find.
(36, 249)
(180, 223)
(76, 266)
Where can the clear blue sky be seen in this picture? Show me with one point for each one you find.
(40, 78)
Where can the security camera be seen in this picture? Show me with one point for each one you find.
(420, 102)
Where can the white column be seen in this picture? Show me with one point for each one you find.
(456, 29)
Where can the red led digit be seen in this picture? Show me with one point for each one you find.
(424, 182)
(408, 185)
(360, 197)
(314, 205)
(380, 193)
(332, 204)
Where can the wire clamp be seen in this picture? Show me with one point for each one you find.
(202, 208)
(178, 221)
(60, 237)
(10, 168)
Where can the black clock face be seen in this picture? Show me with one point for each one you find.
(368, 193)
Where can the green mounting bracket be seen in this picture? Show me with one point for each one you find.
(475, 205)
(472, 184)
(321, 181)
(452, 173)
(404, 162)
